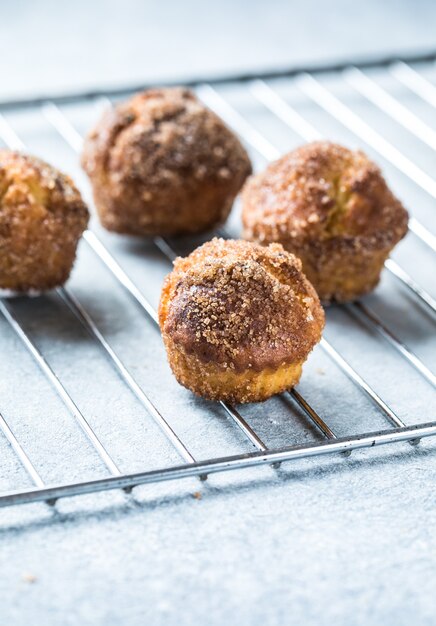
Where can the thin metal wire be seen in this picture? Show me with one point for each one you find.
(88, 323)
(284, 111)
(369, 317)
(244, 426)
(312, 88)
(106, 257)
(60, 390)
(252, 136)
(225, 464)
(361, 383)
(422, 233)
(19, 451)
(382, 99)
(414, 81)
(427, 92)
(318, 421)
(165, 248)
(58, 120)
(275, 103)
(215, 101)
(404, 278)
(9, 136)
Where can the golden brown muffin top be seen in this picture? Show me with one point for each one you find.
(31, 191)
(322, 191)
(241, 305)
(163, 137)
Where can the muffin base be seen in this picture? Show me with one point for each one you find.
(216, 382)
(43, 272)
(191, 218)
(344, 276)
(341, 270)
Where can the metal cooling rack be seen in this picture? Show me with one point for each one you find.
(264, 90)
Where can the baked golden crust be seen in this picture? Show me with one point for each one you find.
(214, 382)
(163, 164)
(238, 320)
(42, 217)
(333, 209)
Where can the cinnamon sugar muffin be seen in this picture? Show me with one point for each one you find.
(42, 217)
(163, 164)
(333, 209)
(238, 320)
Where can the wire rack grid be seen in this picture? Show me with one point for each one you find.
(291, 101)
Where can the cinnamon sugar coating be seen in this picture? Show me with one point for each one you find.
(163, 164)
(240, 307)
(331, 207)
(42, 217)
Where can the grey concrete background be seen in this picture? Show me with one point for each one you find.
(321, 541)
(47, 45)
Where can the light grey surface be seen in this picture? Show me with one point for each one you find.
(50, 46)
(350, 541)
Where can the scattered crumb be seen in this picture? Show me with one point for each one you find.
(320, 371)
(197, 495)
(29, 578)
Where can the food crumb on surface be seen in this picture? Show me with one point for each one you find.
(29, 578)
